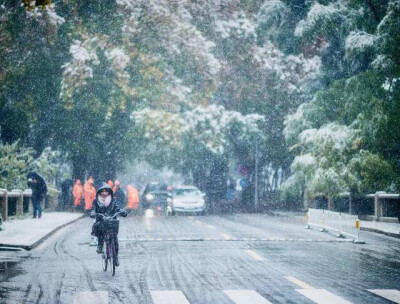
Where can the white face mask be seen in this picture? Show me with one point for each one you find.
(105, 202)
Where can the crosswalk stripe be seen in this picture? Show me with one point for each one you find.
(322, 296)
(246, 297)
(168, 297)
(299, 283)
(254, 255)
(91, 297)
(390, 294)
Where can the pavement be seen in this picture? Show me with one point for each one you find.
(28, 233)
(390, 229)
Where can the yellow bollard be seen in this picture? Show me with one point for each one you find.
(307, 218)
(358, 226)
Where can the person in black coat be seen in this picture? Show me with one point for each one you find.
(66, 194)
(106, 204)
(39, 190)
(119, 194)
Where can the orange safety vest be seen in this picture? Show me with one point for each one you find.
(90, 193)
(133, 197)
(77, 192)
(110, 183)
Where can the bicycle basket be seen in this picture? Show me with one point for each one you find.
(111, 226)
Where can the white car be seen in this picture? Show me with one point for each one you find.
(186, 199)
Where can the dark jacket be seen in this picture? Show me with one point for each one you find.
(39, 189)
(120, 196)
(110, 210)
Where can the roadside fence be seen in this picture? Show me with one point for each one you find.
(337, 223)
(15, 202)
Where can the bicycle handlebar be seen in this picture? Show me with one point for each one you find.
(106, 217)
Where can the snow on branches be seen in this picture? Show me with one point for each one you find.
(169, 24)
(84, 56)
(293, 71)
(210, 127)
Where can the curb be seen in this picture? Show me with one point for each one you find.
(392, 234)
(35, 244)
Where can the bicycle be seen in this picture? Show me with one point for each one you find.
(110, 226)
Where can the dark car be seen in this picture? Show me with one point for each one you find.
(155, 196)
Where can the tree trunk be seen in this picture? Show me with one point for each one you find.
(306, 200)
(331, 205)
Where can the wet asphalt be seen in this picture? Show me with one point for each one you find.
(202, 256)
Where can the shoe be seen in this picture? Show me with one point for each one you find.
(99, 249)
(116, 261)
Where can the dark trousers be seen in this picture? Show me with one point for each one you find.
(37, 209)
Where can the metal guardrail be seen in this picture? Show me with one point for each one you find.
(338, 223)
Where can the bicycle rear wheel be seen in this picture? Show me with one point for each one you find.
(112, 255)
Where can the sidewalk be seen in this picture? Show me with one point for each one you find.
(28, 233)
(390, 229)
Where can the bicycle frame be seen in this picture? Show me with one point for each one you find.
(110, 241)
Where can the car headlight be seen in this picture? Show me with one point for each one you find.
(149, 197)
(149, 213)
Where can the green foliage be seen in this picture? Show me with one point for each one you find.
(292, 190)
(16, 161)
(374, 173)
(73, 72)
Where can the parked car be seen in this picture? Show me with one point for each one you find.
(155, 197)
(186, 199)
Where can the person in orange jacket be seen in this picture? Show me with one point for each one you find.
(133, 197)
(90, 193)
(110, 183)
(77, 192)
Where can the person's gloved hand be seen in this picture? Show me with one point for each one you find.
(124, 213)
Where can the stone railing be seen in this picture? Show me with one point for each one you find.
(17, 202)
(379, 197)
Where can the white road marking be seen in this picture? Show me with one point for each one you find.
(299, 283)
(322, 296)
(91, 297)
(254, 255)
(390, 294)
(198, 222)
(210, 226)
(168, 297)
(246, 297)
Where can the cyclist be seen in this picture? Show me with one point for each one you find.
(106, 204)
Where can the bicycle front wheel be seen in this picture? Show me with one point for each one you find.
(104, 261)
(104, 256)
(112, 256)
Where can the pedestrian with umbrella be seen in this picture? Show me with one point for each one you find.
(39, 190)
